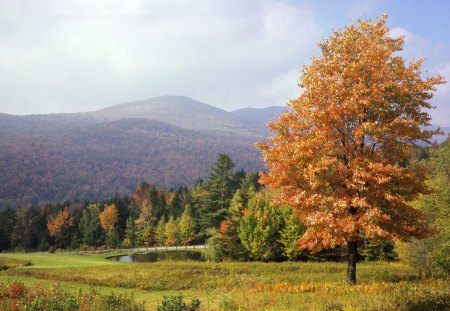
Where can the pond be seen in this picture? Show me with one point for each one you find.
(158, 256)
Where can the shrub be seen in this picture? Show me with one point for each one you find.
(176, 303)
(15, 296)
(113, 302)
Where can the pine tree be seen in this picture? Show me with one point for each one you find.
(89, 226)
(219, 195)
(228, 237)
(130, 233)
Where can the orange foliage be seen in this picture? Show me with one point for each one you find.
(61, 221)
(339, 148)
(169, 196)
(223, 230)
(109, 217)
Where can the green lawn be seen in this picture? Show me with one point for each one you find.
(231, 285)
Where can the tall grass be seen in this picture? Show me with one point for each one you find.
(255, 285)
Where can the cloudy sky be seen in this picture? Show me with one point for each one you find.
(82, 55)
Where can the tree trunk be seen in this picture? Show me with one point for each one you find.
(351, 268)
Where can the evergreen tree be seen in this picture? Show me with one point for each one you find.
(228, 237)
(112, 238)
(219, 195)
(6, 228)
(198, 197)
(89, 226)
(130, 233)
(25, 227)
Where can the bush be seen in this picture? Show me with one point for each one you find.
(415, 298)
(15, 296)
(176, 303)
(115, 302)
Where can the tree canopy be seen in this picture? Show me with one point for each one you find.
(341, 149)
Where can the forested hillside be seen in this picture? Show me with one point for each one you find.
(51, 158)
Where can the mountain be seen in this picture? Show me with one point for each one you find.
(181, 111)
(96, 161)
(258, 115)
(169, 141)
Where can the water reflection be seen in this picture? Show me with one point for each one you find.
(158, 256)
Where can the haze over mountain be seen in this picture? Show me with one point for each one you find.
(169, 141)
(258, 115)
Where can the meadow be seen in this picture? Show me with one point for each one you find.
(236, 285)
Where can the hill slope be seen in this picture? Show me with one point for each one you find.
(181, 111)
(98, 160)
(258, 115)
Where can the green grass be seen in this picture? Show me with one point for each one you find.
(231, 285)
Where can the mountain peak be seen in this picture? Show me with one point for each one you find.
(181, 111)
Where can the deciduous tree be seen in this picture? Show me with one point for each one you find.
(432, 255)
(341, 149)
(259, 227)
(171, 232)
(186, 231)
(59, 225)
(109, 217)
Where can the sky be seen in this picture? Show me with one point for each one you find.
(84, 55)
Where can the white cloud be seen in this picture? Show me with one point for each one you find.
(73, 56)
(441, 115)
(415, 47)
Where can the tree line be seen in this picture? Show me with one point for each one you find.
(230, 211)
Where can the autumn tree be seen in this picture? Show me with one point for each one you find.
(108, 219)
(161, 232)
(145, 197)
(59, 226)
(341, 149)
(171, 232)
(186, 231)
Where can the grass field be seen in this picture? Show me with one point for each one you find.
(235, 286)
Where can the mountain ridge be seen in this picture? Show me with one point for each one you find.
(93, 155)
